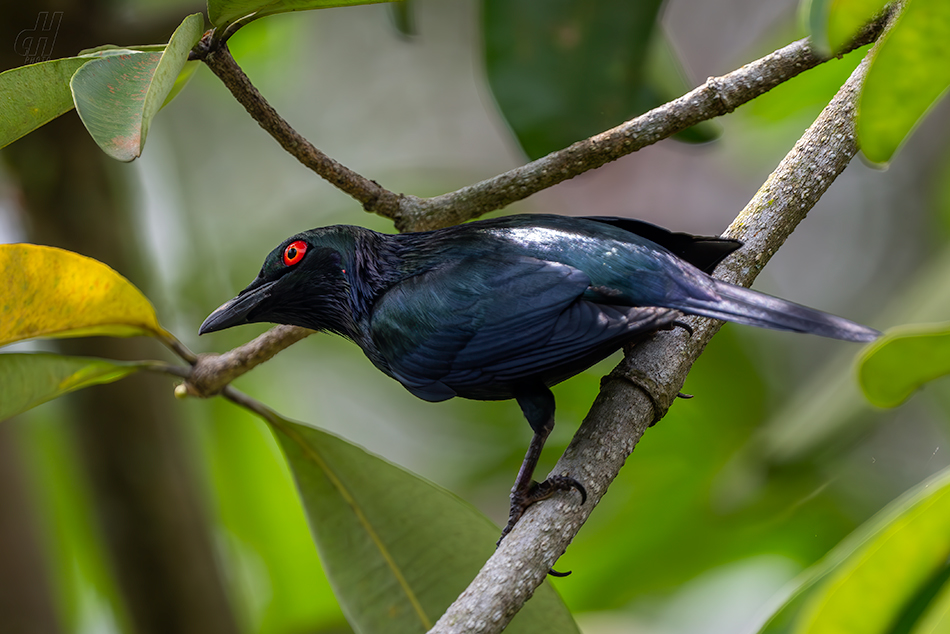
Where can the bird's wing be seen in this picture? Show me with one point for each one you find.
(480, 327)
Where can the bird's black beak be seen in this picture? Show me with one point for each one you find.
(234, 312)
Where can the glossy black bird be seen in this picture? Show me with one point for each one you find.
(505, 308)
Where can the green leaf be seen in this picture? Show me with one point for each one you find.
(118, 94)
(909, 73)
(563, 71)
(904, 359)
(111, 49)
(223, 13)
(34, 95)
(872, 579)
(834, 23)
(936, 618)
(402, 14)
(27, 380)
(49, 292)
(187, 72)
(397, 549)
(847, 17)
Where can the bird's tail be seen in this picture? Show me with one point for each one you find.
(752, 308)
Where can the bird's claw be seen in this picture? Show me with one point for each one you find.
(683, 325)
(521, 500)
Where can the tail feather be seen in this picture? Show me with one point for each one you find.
(744, 306)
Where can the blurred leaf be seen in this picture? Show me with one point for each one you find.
(847, 17)
(86, 592)
(936, 618)
(908, 74)
(904, 359)
(815, 13)
(869, 581)
(278, 579)
(187, 72)
(49, 292)
(666, 79)
(834, 23)
(34, 95)
(119, 94)
(397, 549)
(563, 71)
(27, 380)
(402, 13)
(223, 13)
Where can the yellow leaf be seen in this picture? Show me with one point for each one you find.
(49, 292)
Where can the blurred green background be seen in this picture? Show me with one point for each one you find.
(721, 505)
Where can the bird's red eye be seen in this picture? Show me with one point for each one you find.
(294, 252)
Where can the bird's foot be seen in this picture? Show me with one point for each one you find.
(521, 500)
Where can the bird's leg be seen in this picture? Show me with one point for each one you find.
(538, 408)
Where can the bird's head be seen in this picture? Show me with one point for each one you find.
(303, 283)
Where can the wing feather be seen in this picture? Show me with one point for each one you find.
(473, 328)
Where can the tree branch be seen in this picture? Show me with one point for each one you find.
(212, 372)
(716, 97)
(218, 58)
(641, 389)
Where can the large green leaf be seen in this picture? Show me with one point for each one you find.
(34, 95)
(27, 380)
(397, 549)
(49, 292)
(900, 362)
(562, 71)
(892, 569)
(907, 76)
(118, 94)
(223, 13)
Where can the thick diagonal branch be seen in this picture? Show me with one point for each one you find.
(640, 390)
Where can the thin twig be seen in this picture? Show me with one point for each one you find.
(716, 97)
(641, 389)
(176, 346)
(211, 372)
(369, 193)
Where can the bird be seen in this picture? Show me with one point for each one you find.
(507, 307)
